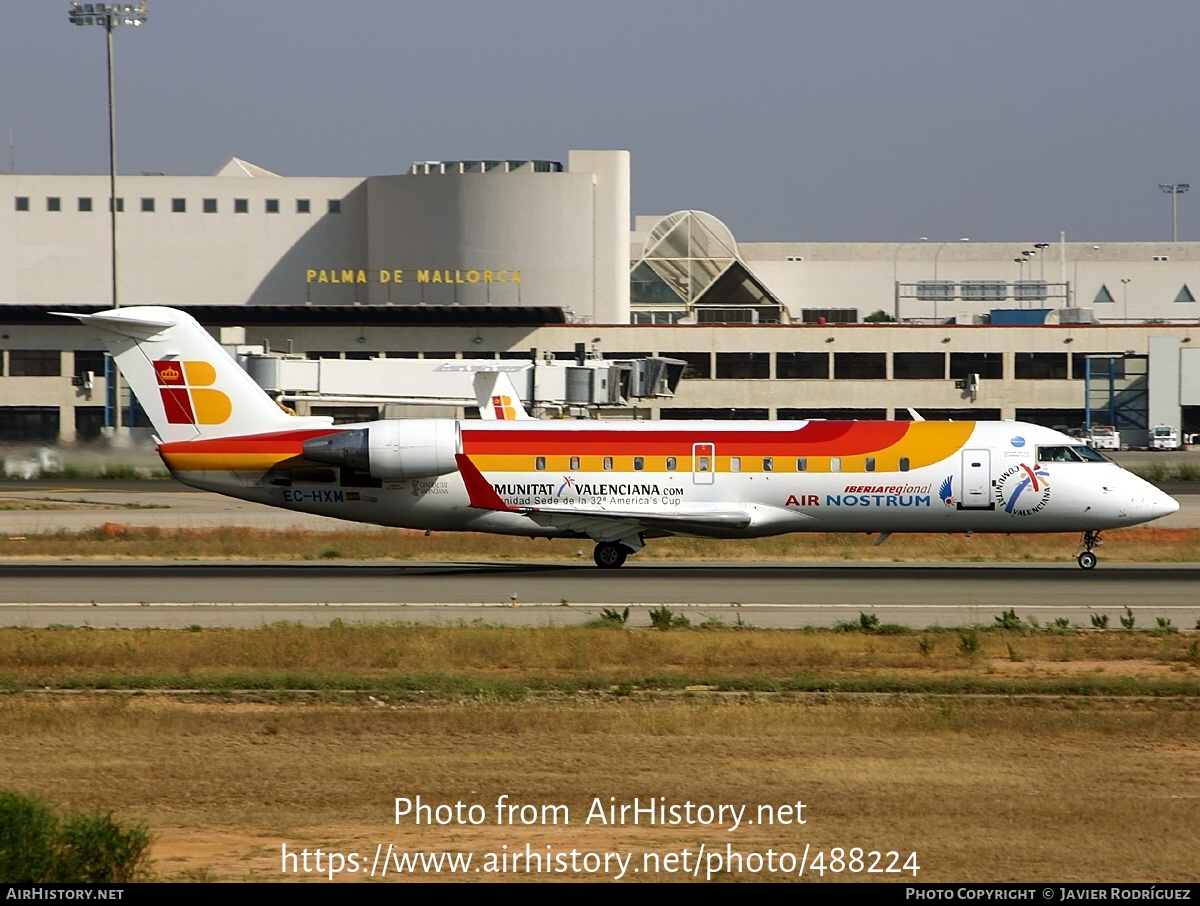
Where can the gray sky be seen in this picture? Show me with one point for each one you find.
(857, 120)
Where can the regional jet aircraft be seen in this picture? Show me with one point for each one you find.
(617, 483)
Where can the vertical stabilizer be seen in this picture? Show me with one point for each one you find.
(188, 385)
(497, 397)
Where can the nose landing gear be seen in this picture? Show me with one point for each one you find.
(1086, 559)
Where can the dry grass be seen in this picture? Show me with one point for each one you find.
(511, 662)
(116, 541)
(982, 791)
(981, 787)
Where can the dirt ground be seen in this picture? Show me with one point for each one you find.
(980, 790)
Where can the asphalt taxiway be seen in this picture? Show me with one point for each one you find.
(174, 595)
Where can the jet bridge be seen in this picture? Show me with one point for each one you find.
(547, 386)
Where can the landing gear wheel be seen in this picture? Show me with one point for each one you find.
(610, 555)
(1087, 560)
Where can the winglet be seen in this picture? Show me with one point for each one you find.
(483, 495)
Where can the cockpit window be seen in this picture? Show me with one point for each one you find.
(1072, 453)
(1088, 454)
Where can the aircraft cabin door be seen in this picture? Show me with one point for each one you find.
(704, 462)
(976, 480)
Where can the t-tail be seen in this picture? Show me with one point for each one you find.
(497, 397)
(189, 386)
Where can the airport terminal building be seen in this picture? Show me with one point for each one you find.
(507, 259)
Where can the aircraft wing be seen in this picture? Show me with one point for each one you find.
(599, 524)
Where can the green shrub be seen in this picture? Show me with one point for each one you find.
(664, 618)
(1100, 621)
(1009, 620)
(612, 617)
(39, 845)
(969, 642)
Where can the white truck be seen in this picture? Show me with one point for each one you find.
(1104, 437)
(1163, 437)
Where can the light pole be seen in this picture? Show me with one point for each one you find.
(1175, 190)
(936, 289)
(1125, 299)
(1019, 289)
(110, 15)
(896, 272)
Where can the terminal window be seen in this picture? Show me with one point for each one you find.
(1041, 366)
(860, 366)
(89, 360)
(241, 206)
(178, 205)
(801, 365)
(272, 205)
(29, 423)
(22, 202)
(699, 364)
(210, 206)
(34, 363)
(148, 205)
(919, 366)
(53, 204)
(984, 364)
(303, 206)
(743, 365)
(85, 205)
(120, 205)
(335, 206)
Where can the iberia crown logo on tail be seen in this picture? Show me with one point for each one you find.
(187, 394)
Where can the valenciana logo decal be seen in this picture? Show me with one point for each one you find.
(187, 397)
(1023, 489)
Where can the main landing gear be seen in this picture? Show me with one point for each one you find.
(1086, 559)
(610, 554)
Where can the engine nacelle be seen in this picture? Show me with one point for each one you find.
(394, 448)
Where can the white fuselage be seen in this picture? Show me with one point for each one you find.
(1002, 477)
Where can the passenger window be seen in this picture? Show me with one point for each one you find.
(735, 463)
(671, 463)
(768, 464)
(639, 463)
(903, 463)
(574, 463)
(608, 463)
(539, 463)
(802, 464)
(702, 465)
(835, 464)
(870, 463)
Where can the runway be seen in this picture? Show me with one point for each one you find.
(174, 595)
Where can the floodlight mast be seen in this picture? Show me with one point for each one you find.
(1174, 190)
(110, 15)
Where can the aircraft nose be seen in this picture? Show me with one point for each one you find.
(1163, 504)
(1151, 503)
